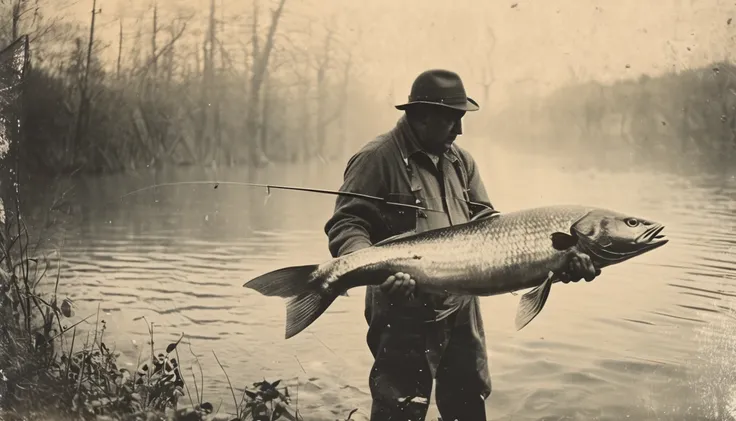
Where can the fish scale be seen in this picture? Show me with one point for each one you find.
(497, 254)
(492, 256)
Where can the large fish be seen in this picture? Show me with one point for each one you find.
(496, 254)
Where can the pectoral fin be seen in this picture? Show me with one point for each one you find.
(532, 302)
(562, 241)
(454, 303)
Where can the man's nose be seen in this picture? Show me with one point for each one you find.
(457, 128)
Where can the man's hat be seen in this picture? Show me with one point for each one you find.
(440, 87)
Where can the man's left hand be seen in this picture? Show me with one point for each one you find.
(581, 267)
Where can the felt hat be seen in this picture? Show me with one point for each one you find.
(440, 87)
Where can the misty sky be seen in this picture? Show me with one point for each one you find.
(540, 44)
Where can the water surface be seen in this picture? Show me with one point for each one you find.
(649, 339)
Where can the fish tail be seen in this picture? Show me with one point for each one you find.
(309, 296)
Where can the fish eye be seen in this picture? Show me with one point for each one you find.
(632, 222)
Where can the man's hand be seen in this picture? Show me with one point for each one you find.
(581, 267)
(399, 285)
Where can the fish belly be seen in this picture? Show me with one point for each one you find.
(480, 272)
(466, 267)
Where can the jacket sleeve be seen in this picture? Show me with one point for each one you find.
(355, 220)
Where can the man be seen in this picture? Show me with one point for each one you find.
(418, 163)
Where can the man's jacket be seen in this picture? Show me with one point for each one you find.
(386, 167)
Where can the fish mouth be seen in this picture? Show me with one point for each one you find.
(653, 237)
(616, 252)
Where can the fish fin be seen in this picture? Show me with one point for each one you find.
(562, 241)
(309, 297)
(303, 310)
(455, 302)
(532, 302)
(285, 282)
(485, 214)
(395, 237)
(344, 293)
(442, 315)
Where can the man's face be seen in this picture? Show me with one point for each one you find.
(440, 128)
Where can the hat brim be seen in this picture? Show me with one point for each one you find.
(470, 105)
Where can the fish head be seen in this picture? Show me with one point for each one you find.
(612, 237)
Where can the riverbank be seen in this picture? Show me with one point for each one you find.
(56, 364)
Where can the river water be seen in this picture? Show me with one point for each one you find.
(652, 338)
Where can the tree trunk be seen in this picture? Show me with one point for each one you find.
(260, 66)
(83, 110)
(120, 49)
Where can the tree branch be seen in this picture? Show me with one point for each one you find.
(145, 67)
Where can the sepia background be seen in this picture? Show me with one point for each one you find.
(623, 104)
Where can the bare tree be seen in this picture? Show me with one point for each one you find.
(154, 57)
(342, 107)
(487, 73)
(120, 49)
(144, 71)
(331, 108)
(323, 64)
(18, 11)
(25, 17)
(208, 114)
(260, 60)
(187, 96)
(84, 98)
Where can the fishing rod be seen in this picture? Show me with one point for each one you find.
(268, 187)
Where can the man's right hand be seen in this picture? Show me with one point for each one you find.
(399, 285)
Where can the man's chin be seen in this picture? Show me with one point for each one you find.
(439, 149)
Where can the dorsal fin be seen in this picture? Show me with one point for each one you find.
(395, 237)
(485, 213)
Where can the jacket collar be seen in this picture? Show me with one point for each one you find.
(409, 145)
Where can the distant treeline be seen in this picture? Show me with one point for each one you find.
(290, 91)
(179, 96)
(684, 119)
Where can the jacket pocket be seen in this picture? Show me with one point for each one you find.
(401, 219)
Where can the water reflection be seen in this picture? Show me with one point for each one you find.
(651, 339)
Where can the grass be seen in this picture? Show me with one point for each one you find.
(48, 372)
